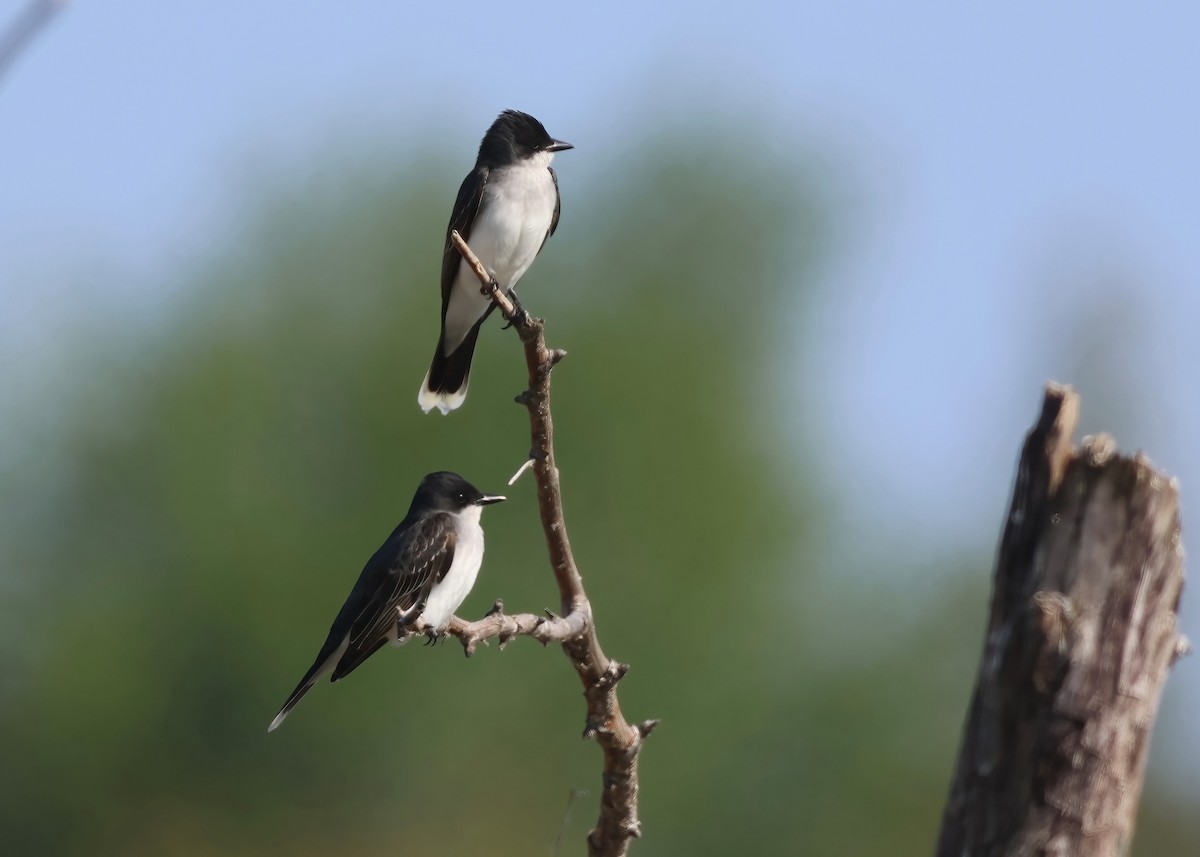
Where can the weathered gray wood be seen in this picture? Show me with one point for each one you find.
(1080, 637)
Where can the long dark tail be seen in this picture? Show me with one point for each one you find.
(326, 661)
(445, 385)
(305, 685)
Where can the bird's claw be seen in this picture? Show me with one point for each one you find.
(518, 317)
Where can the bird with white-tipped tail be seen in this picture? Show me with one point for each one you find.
(507, 208)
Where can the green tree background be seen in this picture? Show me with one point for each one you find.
(184, 519)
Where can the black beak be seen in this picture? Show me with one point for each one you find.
(558, 146)
(489, 499)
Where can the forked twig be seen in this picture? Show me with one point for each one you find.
(620, 740)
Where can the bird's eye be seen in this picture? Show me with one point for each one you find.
(462, 498)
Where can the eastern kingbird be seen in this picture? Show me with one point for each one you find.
(424, 570)
(506, 209)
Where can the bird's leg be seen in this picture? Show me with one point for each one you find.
(402, 634)
(518, 316)
(434, 635)
(408, 622)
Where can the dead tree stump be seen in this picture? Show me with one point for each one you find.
(1081, 634)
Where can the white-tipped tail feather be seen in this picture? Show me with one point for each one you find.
(445, 384)
(443, 401)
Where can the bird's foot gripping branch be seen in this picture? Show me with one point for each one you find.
(575, 630)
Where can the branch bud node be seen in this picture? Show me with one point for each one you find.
(647, 726)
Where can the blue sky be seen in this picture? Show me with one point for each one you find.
(1007, 167)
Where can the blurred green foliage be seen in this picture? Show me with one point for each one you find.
(189, 529)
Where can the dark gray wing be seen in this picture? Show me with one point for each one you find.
(462, 218)
(420, 558)
(557, 208)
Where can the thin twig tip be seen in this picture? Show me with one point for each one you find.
(528, 464)
(647, 726)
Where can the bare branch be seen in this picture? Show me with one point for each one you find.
(24, 29)
(488, 283)
(496, 623)
(620, 740)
